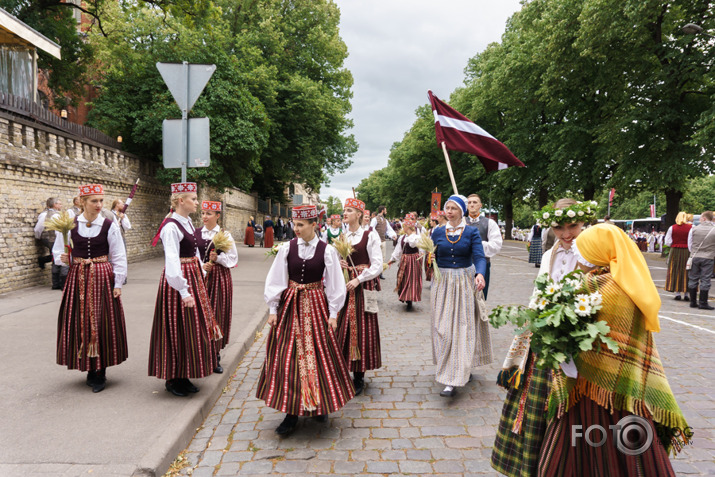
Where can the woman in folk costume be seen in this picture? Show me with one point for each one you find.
(91, 333)
(523, 419)
(358, 330)
(250, 237)
(366, 219)
(334, 230)
(304, 373)
(535, 239)
(268, 232)
(627, 389)
(184, 330)
(409, 274)
(218, 265)
(676, 280)
(460, 336)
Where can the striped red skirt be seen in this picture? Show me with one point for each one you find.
(219, 286)
(250, 237)
(409, 278)
(91, 333)
(304, 373)
(182, 343)
(560, 458)
(366, 337)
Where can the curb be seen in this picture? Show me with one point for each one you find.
(178, 435)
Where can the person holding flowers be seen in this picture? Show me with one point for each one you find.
(616, 383)
(460, 337)
(184, 330)
(218, 253)
(523, 421)
(91, 333)
(409, 274)
(304, 373)
(358, 330)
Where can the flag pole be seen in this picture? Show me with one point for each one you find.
(449, 168)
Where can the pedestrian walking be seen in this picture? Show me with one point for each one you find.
(409, 273)
(358, 329)
(218, 265)
(304, 373)
(488, 231)
(600, 395)
(460, 336)
(522, 424)
(91, 332)
(676, 279)
(279, 229)
(184, 330)
(250, 238)
(535, 239)
(701, 243)
(268, 232)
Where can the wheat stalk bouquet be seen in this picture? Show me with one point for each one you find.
(426, 244)
(345, 248)
(63, 224)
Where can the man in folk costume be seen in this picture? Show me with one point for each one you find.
(218, 265)
(91, 332)
(334, 230)
(381, 225)
(184, 329)
(358, 330)
(304, 373)
(488, 230)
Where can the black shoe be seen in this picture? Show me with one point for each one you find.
(218, 369)
(382, 277)
(359, 383)
(409, 306)
(100, 381)
(693, 297)
(677, 297)
(321, 418)
(186, 386)
(704, 301)
(41, 262)
(172, 385)
(448, 392)
(91, 376)
(288, 425)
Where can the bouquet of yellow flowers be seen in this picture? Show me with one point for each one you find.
(344, 248)
(426, 244)
(273, 251)
(222, 241)
(62, 223)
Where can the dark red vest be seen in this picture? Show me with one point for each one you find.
(306, 271)
(202, 245)
(360, 255)
(85, 247)
(407, 249)
(680, 235)
(188, 244)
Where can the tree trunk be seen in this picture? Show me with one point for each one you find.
(508, 218)
(672, 205)
(543, 197)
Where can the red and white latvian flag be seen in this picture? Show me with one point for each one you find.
(460, 134)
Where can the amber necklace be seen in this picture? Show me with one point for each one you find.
(446, 235)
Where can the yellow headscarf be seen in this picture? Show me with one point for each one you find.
(607, 245)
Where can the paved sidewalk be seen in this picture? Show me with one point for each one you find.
(400, 425)
(52, 423)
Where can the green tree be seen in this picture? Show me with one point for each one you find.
(333, 206)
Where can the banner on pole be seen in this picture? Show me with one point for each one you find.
(436, 202)
(611, 195)
(652, 211)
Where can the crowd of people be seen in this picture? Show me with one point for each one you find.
(324, 317)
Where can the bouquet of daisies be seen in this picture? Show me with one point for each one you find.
(426, 244)
(561, 317)
(62, 223)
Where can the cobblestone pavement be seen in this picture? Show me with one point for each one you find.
(401, 425)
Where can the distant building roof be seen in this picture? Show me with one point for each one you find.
(15, 32)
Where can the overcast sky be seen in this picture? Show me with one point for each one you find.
(399, 49)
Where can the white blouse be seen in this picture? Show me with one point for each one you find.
(333, 280)
(334, 232)
(170, 238)
(229, 258)
(411, 240)
(373, 250)
(117, 253)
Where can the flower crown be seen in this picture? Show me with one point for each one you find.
(550, 216)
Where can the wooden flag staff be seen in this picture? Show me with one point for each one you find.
(449, 167)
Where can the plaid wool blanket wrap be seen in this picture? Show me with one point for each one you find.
(632, 380)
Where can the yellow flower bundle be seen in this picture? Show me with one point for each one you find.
(62, 223)
(426, 244)
(222, 241)
(344, 249)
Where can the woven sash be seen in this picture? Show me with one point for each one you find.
(87, 304)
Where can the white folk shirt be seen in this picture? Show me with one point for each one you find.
(374, 251)
(40, 225)
(333, 280)
(170, 238)
(124, 223)
(229, 258)
(451, 230)
(493, 243)
(411, 240)
(117, 253)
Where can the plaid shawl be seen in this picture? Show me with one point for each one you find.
(632, 380)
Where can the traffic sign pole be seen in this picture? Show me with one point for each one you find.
(185, 124)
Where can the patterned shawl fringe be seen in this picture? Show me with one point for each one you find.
(509, 378)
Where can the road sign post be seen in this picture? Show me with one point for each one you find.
(186, 82)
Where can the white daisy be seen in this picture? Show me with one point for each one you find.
(583, 309)
(596, 299)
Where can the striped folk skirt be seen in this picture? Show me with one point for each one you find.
(535, 251)
(90, 319)
(219, 286)
(182, 343)
(364, 337)
(460, 339)
(560, 458)
(409, 278)
(676, 279)
(517, 454)
(302, 353)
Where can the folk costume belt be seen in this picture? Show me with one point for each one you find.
(309, 390)
(352, 314)
(87, 304)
